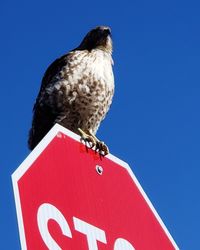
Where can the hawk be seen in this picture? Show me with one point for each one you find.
(77, 91)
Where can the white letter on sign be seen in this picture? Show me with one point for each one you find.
(122, 244)
(46, 212)
(92, 233)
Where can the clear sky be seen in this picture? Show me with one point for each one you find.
(154, 122)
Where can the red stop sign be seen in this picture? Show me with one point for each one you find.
(68, 197)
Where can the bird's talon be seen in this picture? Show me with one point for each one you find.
(101, 148)
(89, 142)
(87, 139)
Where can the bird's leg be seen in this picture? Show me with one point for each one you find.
(93, 141)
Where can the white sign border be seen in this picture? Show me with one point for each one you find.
(25, 165)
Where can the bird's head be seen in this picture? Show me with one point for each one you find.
(99, 37)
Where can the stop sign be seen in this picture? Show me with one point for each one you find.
(68, 197)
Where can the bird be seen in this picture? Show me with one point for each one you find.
(77, 91)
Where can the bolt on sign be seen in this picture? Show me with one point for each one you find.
(68, 197)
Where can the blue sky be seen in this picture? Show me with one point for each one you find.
(154, 120)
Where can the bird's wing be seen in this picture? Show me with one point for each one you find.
(52, 70)
(41, 125)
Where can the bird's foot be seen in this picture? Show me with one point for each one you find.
(91, 141)
(101, 148)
